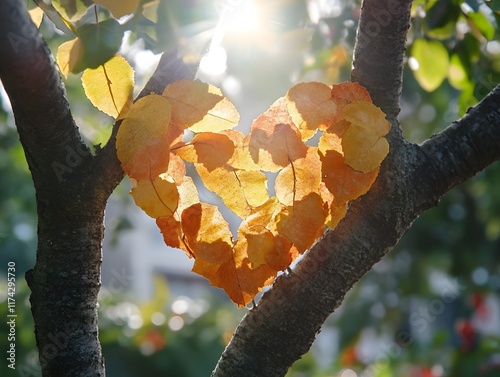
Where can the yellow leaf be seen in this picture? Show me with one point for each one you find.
(143, 140)
(68, 55)
(158, 197)
(299, 178)
(109, 87)
(36, 15)
(303, 222)
(119, 8)
(240, 190)
(274, 140)
(311, 107)
(363, 142)
(207, 148)
(200, 107)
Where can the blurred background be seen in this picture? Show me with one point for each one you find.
(431, 308)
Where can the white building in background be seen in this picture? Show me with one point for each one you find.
(132, 257)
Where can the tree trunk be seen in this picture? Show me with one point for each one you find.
(72, 187)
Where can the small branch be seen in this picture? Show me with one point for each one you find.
(107, 169)
(465, 147)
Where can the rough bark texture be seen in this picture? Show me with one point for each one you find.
(412, 179)
(72, 187)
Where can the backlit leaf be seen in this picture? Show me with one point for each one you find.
(36, 15)
(299, 178)
(274, 140)
(432, 58)
(342, 181)
(109, 87)
(210, 149)
(311, 107)
(200, 107)
(239, 190)
(68, 54)
(363, 143)
(303, 222)
(158, 197)
(143, 139)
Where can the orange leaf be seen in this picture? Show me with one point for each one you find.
(239, 190)
(241, 159)
(200, 107)
(303, 222)
(210, 149)
(347, 92)
(142, 142)
(299, 178)
(172, 233)
(342, 181)
(332, 137)
(207, 233)
(274, 139)
(363, 143)
(311, 107)
(158, 197)
(188, 194)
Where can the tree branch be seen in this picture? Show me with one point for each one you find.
(47, 131)
(284, 324)
(412, 179)
(379, 51)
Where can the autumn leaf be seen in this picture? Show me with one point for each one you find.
(142, 142)
(311, 107)
(109, 87)
(171, 230)
(240, 190)
(68, 55)
(299, 178)
(157, 197)
(274, 140)
(348, 92)
(342, 181)
(363, 142)
(36, 15)
(200, 107)
(207, 148)
(303, 222)
(241, 159)
(313, 186)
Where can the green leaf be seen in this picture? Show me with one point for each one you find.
(433, 63)
(100, 43)
(458, 74)
(482, 24)
(441, 18)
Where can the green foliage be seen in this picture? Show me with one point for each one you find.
(100, 41)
